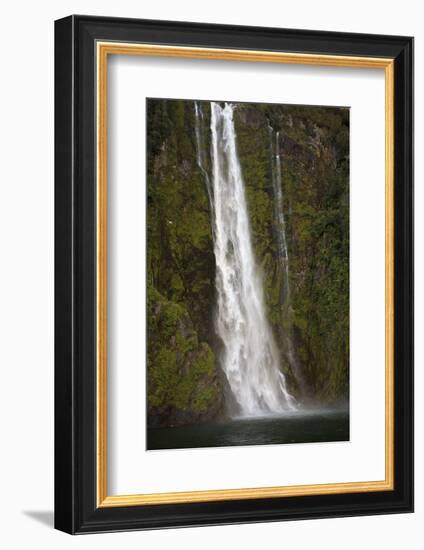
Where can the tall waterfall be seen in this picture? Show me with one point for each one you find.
(250, 358)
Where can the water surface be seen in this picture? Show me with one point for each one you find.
(293, 427)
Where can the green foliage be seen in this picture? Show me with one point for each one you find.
(181, 372)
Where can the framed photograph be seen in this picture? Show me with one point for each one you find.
(234, 274)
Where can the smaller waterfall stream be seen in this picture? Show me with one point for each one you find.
(250, 357)
(201, 151)
(279, 211)
(281, 237)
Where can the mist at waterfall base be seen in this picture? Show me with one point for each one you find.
(260, 406)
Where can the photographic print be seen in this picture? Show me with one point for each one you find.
(247, 274)
(212, 228)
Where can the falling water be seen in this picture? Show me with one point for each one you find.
(250, 358)
(201, 150)
(279, 212)
(283, 255)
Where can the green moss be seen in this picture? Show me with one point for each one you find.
(204, 362)
(203, 399)
(163, 376)
(181, 371)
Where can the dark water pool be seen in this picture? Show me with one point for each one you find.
(298, 427)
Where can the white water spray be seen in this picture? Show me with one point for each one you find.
(250, 358)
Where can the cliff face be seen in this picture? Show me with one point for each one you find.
(182, 371)
(185, 384)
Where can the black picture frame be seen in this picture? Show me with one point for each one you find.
(76, 509)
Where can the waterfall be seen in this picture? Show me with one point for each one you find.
(249, 358)
(279, 213)
(283, 254)
(201, 150)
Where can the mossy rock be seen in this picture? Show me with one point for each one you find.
(183, 383)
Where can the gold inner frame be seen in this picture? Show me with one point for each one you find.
(103, 50)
